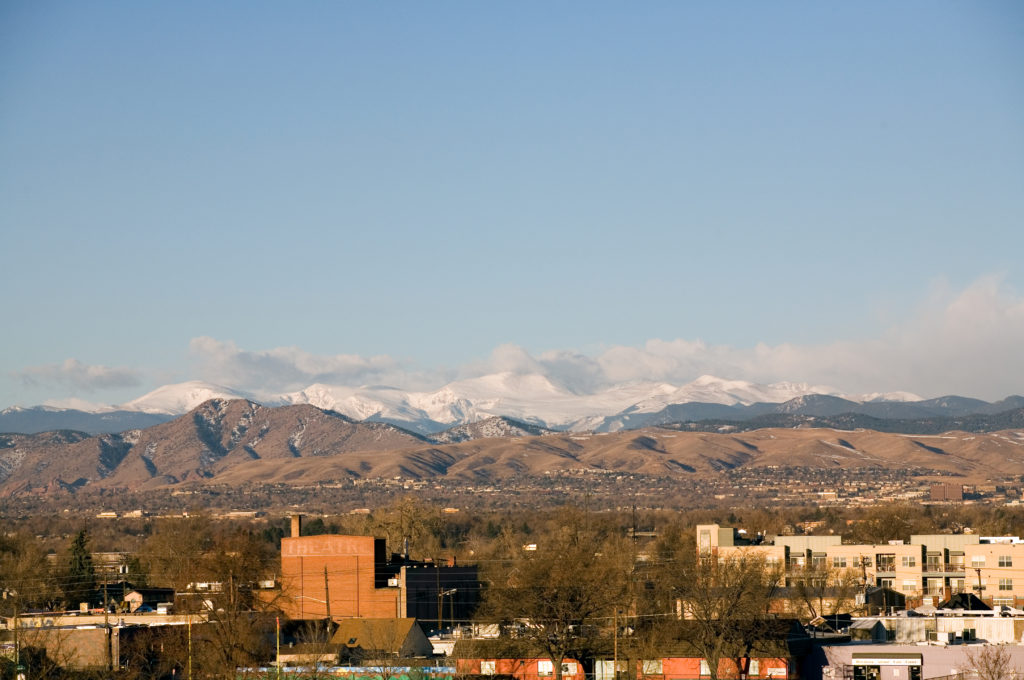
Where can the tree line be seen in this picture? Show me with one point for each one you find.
(568, 583)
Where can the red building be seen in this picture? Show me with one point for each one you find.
(679, 668)
(355, 577)
(520, 669)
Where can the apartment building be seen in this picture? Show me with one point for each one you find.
(931, 567)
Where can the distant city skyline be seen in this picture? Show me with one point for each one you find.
(261, 195)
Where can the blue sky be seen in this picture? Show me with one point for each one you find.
(826, 192)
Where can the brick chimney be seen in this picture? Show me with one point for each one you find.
(296, 526)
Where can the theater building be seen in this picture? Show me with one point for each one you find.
(344, 577)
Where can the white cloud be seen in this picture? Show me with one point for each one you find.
(81, 376)
(966, 342)
(290, 368)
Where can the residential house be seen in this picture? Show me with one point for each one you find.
(363, 640)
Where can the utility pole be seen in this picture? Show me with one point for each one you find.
(19, 669)
(615, 644)
(106, 628)
(634, 528)
(440, 606)
(327, 600)
(864, 578)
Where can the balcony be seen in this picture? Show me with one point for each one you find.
(932, 568)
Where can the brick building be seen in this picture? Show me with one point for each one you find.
(946, 492)
(355, 577)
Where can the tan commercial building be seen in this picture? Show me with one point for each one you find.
(930, 568)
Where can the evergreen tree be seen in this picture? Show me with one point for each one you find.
(80, 577)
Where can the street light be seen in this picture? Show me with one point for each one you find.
(440, 607)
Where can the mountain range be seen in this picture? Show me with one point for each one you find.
(238, 441)
(529, 399)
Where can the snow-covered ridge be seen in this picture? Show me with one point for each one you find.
(181, 398)
(529, 398)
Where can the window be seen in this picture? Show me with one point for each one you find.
(886, 582)
(1002, 601)
(545, 667)
(839, 562)
(487, 667)
(977, 561)
(569, 668)
(886, 562)
(1005, 560)
(909, 585)
(1006, 584)
(818, 561)
(652, 667)
(908, 561)
(705, 669)
(754, 668)
(704, 541)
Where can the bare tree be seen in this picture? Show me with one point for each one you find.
(239, 627)
(726, 603)
(314, 639)
(992, 662)
(25, 579)
(173, 554)
(47, 653)
(557, 598)
(408, 519)
(824, 590)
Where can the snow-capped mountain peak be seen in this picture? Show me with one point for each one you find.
(181, 397)
(530, 398)
(887, 396)
(709, 389)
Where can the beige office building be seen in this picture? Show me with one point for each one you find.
(928, 569)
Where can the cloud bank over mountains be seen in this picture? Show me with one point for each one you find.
(73, 373)
(967, 342)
